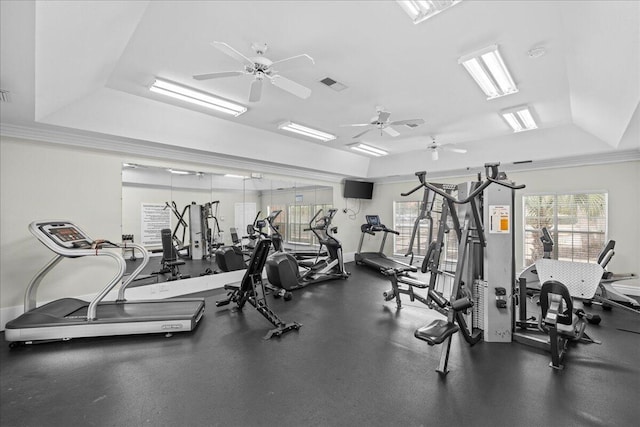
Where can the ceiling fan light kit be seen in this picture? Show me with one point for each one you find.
(306, 131)
(421, 10)
(519, 118)
(196, 97)
(368, 149)
(490, 72)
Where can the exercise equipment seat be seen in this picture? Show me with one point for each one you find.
(436, 332)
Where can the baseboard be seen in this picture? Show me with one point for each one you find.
(154, 291)
(348, 256)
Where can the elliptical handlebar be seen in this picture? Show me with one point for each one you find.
(491, 173)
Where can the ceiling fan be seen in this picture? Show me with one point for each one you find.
(381, 121)
(260, 67)
(434, 147)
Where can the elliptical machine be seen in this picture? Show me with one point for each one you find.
(283, 271)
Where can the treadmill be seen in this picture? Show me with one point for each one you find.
(68, 318)
(378, 260)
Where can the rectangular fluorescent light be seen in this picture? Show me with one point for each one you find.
(230, 175)
(420, 10)
(196, 97)
(520, 119)
(367, 149)
(489, 71)
(303, 130)
(179, 172)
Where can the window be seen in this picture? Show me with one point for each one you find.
(577, 223)
(405, 214)
(294, 219)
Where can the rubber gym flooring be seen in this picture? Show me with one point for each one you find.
(354, 362)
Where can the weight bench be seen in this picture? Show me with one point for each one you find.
(562, 282)
(253, 290)
(170, 262)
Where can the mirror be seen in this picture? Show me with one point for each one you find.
(201, 208)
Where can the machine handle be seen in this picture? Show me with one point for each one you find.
(491, 172)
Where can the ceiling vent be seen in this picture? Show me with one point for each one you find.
(337, 86)
(4, 95)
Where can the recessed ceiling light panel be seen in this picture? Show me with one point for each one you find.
(421, 10)
(490, 72)
(519, 118)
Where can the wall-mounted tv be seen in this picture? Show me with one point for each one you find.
(357, 189)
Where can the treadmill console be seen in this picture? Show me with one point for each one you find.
(373, 220)
(66, 235)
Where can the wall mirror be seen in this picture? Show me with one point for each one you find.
(207, 210)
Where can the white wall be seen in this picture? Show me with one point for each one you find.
(43, 181)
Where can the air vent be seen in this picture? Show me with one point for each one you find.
(412, 125)
(522, 162)
(337, 86)
(4, 95)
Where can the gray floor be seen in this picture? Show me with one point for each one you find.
(354, 362)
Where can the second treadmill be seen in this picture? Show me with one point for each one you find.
(378, 260)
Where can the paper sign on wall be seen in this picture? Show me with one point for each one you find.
(499, 219)
(154, 217)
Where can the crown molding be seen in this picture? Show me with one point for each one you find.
(111, 144)
(561, 162)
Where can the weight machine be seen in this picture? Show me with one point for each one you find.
(481, 216)
(204, 238)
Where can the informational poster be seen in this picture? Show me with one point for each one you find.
(154, 217)
(499, 219)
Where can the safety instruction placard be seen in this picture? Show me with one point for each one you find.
(499, 219)
(154, 217)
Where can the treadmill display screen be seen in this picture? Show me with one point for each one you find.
(373, 220)
(66, 235)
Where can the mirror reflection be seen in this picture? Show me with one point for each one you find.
(197, 223)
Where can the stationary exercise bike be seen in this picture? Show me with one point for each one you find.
(283, 271)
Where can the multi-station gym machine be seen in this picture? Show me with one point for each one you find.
(479, 304)
(484, 295)
(204, 237)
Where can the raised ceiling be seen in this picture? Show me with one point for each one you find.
(85, 68)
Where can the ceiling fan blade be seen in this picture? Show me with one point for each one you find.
(228, 50)
(390, 131)
(295, 59)
(218, 75)
(255, 91)
(357, 124)
(415, 122)
(383, 116)
(361, 133)
(291, 87)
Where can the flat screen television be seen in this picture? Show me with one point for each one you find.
(357, 189)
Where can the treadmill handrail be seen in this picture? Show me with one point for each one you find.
(30, 294)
